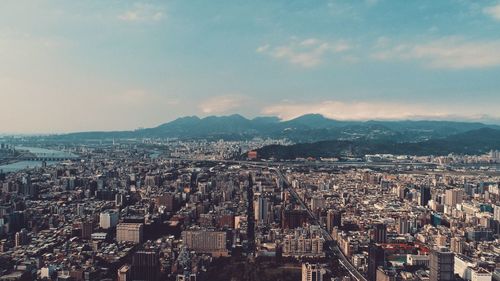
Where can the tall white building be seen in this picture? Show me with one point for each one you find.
(108, 219)
(462, 266)
(496, 214)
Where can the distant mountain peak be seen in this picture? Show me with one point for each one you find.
(192, 117)
(226, 117)
(311, 116)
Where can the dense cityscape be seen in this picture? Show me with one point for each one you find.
(196, 211)
(263, 140)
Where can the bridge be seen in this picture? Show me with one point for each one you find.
(48, 158)
(25, 155)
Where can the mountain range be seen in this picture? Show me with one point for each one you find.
(304, 129)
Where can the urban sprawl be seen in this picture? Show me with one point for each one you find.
(198, 210)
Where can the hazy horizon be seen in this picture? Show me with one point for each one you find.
(416, 119)
(121, 65)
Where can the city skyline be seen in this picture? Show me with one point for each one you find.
(120, 65)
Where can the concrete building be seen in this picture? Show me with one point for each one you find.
(108, 219)
(419, 260)
(462, 266)
(441, 265)
(205, 241)
(496, 212)
(379, 233)
(302, 246)
(333, 219)
(312, 272)
(131, 232)
(21, 237)
(480, 274)
(146, 266)
(457, 245)
(87, 229)
(453, 197)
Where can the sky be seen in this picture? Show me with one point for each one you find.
(114, 65)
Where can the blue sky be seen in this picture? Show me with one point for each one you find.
(102, 65)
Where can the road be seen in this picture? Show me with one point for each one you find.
(333, 247)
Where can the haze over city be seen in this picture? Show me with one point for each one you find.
(70, 66)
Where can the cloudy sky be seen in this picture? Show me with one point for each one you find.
(103, 65)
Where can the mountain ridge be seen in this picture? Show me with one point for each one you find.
(305, 128)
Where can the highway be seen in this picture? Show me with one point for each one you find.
(333, 247)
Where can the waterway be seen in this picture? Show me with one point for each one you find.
(38, 151)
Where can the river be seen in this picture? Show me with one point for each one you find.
(38, 151)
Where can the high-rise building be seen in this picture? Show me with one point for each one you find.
(145, 266)
(131, 232)
(80, 210)
(403, 225)
(453, 197)
(87, 229)
(425, 195)
(441, 265)
(312, 272)
(21, 237)
(496, 213)
(379, 233)
(462, 266)
(166, 200)
(376, 258)
(120, 199)
(261, 209)
(333, 219)
(108, 219)
(457, 245)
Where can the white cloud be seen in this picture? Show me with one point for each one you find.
(307, 53)
(222, 104)
(141, 12)
(263, 48)
(382, 42)
(368, 111)
(493, 11)
(371, 2)
(448, 52)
